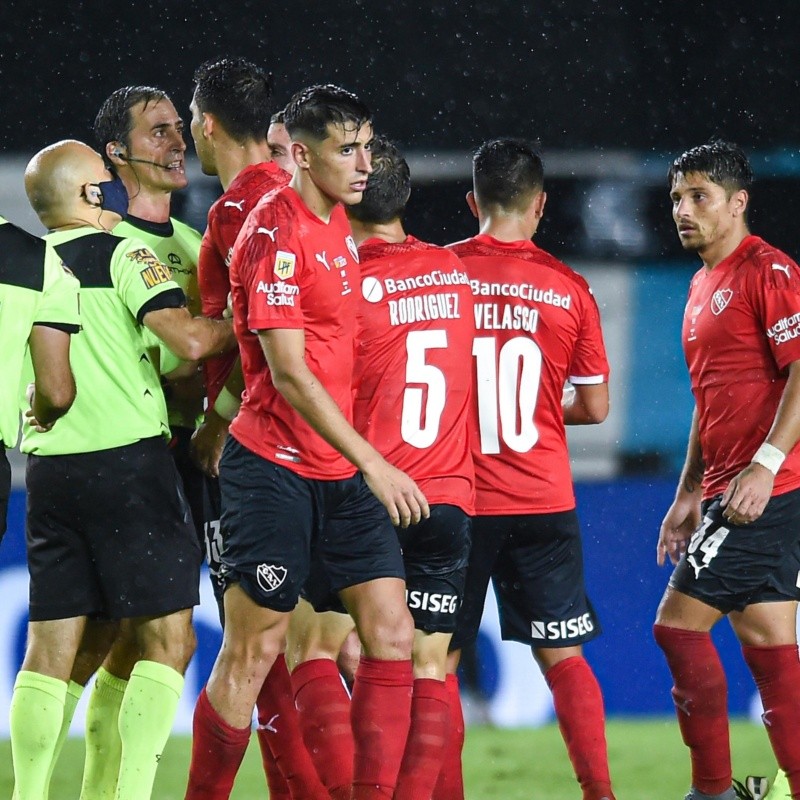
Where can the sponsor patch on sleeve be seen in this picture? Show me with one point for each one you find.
(284, 264)
(154, 271)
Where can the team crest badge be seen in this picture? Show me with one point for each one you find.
(270, 577)
(351, 246)
(720, 300)
(284, 264)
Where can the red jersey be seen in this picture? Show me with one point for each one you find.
(412, 391)
(225, 219)
(292, 270)
(741, 330)
(536, 325)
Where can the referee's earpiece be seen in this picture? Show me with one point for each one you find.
(118, 152)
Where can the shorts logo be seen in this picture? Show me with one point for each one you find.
(351, 246)
(720, 300)
(434, 602)
(563, 629)
(284, 264)
(270, 577)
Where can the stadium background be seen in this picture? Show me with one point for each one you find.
(611, 93)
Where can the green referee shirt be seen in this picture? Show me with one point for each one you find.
(119, 399)
(178, 246)
(35, 289)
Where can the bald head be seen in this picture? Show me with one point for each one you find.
(55, 182)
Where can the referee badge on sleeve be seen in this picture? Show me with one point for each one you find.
(284, 264)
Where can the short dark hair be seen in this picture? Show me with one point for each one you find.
(114, 122)
(312, 109)
(507, 173)
(278, 118)
(723, 163)
(388, 186)
(238, 93)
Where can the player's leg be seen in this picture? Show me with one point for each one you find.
(320, 697)
(267, 514)
(487, 540)
(38, 701)
(435, 553)
(768, 634)
(543, 601)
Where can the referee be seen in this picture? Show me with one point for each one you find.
(38, 312)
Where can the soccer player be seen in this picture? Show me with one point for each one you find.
(230, 109)
(412, 400)
(279, 142)
(108, 531)
(294, 471)
(38, 313)
(733, 529)
(536, 326)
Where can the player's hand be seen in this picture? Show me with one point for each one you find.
(747, 495)
(680, 522)
(400, 496)
(39, 427)
(208, 441)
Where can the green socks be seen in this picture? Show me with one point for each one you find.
(36, 717)
(145, 721)
(73, 696)
(103, 744)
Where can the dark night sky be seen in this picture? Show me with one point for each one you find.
(576, 74)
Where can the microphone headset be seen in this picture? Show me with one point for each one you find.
(120, 153)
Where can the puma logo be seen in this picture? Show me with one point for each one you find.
(268, 231)
(782, 268)
(323, 259)
(232, 204)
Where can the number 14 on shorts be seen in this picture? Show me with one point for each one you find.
(705, 544)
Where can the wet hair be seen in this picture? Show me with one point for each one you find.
(238, 93)
(312, 109)
(114, 121)
(388, 186)
(723, 163)
(507, 173)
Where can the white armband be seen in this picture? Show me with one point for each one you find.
(769, 457)
(226, 405)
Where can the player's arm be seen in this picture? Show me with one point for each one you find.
(54, 384)
(588, 404)
(683, 516)
(209, 438)
(284, 350)
(190, 338)
(749, 492)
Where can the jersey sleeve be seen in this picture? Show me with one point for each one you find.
(212, 267)
(775, 295)
(589, 361)
(59, 306)
(270, 260)
(142, 281)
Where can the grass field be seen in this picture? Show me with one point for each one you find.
(648, 762)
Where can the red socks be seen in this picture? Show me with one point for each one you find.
(777, 674)
(381, 715)
(217, 752)
(291, 774)
(579, 709)
(324, 712)
(700, 694)
(450, 785)
(427, 739)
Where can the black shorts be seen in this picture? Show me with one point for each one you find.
(5, 488)
(435, 554)
(192, 477)
(535, 562)
(212, 536)
(110, 534)
(271, 518)
(730, 567)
